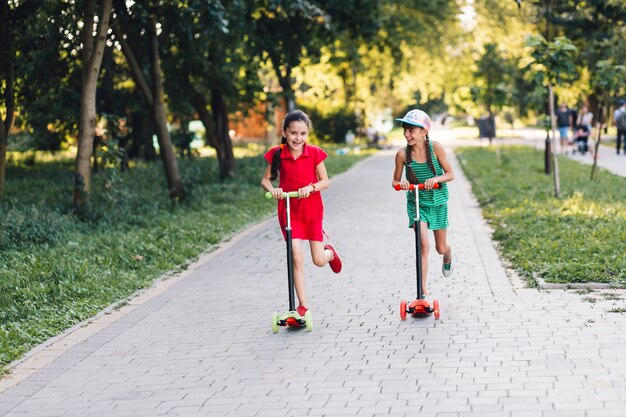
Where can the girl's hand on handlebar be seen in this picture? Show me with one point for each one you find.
(404, 185)
(305, 191)
(429, 184)
(277, 193)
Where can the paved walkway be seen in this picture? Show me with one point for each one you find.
(203, 346)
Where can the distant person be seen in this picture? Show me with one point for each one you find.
(574, 116)
(425, 162)
(581, 139)
(564, 123)
(619, 117)
(300, 167)
(585, 117)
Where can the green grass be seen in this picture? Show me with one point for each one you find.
(577, 238)
(58, 267)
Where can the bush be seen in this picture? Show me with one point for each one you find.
(30, 225)
(333, 126)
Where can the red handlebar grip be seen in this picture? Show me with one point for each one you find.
(412, 186)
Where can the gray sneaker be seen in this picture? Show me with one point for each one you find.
(446, 269)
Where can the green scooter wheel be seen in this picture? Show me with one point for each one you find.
(275, 322)
(309, 321)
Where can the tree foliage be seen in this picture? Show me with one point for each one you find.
(352, 63)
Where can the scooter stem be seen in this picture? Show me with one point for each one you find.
(287, 197)
(418, 245)
(292, 295)
(417, 226)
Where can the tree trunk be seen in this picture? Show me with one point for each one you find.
(6, 56)
(228, 165)
(159, 118)
(93, 50)
(217, 130)
(200, 106)
(4, 145)
(155, 98)
(284, 79)
(141, 137)
(285, 83)
(598, 138)
(490, 119)
(555, 161)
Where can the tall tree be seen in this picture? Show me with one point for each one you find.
(7, 87)
(553, 64)
(284, 31)
(353, 23)
(209, 69)
(492, 82)
(143, 18)
(93, 49)
(596, 27)
(50, 65)
(607, 79)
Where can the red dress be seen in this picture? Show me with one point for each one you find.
(306, 213)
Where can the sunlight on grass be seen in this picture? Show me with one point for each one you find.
(578, 238)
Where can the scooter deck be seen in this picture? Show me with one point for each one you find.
(419, 308)
(292, 319)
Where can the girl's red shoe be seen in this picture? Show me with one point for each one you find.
(335, 263)
(301, 310)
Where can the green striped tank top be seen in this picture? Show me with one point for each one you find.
(428, 198)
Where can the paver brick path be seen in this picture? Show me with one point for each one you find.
(204, 346)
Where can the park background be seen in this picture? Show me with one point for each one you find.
(131, 132)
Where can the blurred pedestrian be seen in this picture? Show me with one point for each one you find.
(619, 117)
(564, 123)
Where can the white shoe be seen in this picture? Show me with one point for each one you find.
(446, 269)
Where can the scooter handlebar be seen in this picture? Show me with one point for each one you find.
(290, 194)
(412, 186)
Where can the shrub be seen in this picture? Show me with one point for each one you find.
(30, 225)
(333, 126)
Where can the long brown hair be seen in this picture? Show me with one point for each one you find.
(292, 116)
(410, 175)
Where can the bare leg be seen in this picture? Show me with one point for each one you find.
(320, 255)
(425, 246)
(298, 271)
(442, 246)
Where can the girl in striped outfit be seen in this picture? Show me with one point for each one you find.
(424, 161)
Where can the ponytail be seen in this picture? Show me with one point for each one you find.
(429, 156)
(276, 159)
(410, 175)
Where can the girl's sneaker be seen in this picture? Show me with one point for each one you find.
(446, 268)
(301, 310)
(335, 263)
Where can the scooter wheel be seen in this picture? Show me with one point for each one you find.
(308, 318)
(403, 310)
(275, 322)
(436, 308)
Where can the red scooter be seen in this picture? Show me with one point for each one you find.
(418, 307)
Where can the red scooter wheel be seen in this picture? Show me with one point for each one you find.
(436, 308)
(403, 310)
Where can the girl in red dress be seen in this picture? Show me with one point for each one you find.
(300, 167)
